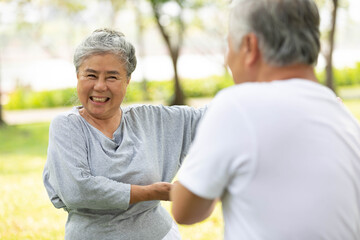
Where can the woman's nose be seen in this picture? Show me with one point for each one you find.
(100, 85)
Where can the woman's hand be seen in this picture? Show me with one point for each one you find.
(155, 191)
(160, 190)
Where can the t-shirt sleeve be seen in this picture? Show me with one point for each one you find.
(67, 176)
(223, 150)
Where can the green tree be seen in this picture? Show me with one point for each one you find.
(331, 42)
(2, 122)
(330, 37)
(39, 28)
(172, 28)
(116, 5)
(2, 43)
(141, 26)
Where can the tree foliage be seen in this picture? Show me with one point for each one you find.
(169, 17)
(172, 28)
(329, 42)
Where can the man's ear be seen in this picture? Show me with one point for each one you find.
(128, 80)
(251, 49)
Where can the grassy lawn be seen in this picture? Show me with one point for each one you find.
(25, 210)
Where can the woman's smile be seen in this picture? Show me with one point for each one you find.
(99, 99)
(102, 83)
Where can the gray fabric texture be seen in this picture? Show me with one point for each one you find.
(89, 174)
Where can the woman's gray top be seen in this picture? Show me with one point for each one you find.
(89, 174)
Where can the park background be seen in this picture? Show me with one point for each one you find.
(37, 81)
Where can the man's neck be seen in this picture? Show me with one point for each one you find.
(270, 73)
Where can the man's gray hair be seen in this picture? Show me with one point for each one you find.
(103, 41)
(287, 30)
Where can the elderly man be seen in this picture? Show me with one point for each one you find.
(278, 148)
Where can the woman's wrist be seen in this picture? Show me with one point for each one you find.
(139, 194)
(155, 191)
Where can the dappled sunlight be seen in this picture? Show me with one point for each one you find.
(210, 228)
(26, 212)
(354, 107)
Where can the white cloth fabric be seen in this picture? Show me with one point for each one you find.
(284, 157)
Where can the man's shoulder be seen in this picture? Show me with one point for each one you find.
(258, 90)
(240, 91)
(245, 87)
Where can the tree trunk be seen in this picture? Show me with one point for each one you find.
(141, 49)
(329, 62)
(179, 98)
(2, 122)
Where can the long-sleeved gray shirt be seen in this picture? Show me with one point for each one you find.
(89, 174)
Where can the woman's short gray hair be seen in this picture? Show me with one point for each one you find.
(287, 30)
(103, 41)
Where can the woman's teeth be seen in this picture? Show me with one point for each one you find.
(99, 99)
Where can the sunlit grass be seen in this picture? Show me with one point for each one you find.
(354, 107)
(25, 210)
(28, 139)
(211, 228)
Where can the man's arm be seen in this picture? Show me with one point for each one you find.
(188, 208)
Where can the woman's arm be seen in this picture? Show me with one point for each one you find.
(156, 191)
(67, 174)
(180, 125)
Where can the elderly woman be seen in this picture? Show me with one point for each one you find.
(109, 167)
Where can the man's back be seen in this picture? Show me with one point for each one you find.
(293, 171)
(279, 149)
(307, 178)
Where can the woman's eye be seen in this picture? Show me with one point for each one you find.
(112, 78)
(91, 76)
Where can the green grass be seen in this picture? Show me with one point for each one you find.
(349, 92)
(354, 107)
(26, 211)
(30, 139)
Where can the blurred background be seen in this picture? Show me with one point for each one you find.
(180, 48)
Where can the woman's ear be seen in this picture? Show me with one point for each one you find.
(252, 52)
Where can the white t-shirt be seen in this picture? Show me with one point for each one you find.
(284, 157)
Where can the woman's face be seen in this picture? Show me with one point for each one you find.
(102, 83)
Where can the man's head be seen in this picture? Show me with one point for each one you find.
(285, 32)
